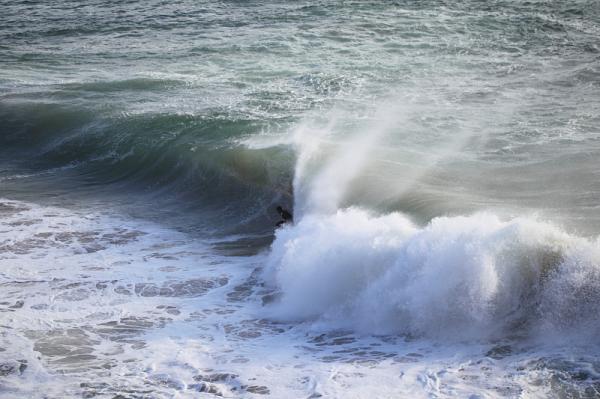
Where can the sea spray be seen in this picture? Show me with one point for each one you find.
(381, 152)
(326, 190)
(471, 276)
(357, 270)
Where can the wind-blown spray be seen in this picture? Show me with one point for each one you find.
(469, 276)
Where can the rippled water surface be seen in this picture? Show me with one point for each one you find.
(440, 159)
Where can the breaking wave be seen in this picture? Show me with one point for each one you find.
(470, 276)
(193, 158)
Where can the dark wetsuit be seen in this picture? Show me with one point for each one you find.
(286, 216)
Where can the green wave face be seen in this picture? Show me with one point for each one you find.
(194, 159)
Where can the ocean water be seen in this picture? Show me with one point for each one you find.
(441, 159)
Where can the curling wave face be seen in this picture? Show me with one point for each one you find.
(192, 159)
(471, 276)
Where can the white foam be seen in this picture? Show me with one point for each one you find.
(465, 276)
(94, 321)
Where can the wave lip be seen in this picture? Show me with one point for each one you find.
(470, 276)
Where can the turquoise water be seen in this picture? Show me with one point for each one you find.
(451, 138)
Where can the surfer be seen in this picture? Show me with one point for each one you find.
(286, 216)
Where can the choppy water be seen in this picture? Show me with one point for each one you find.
(441, 159)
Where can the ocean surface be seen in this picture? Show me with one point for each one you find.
(441, 159)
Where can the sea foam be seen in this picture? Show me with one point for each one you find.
(470, 276)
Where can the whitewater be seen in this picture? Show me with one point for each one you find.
(440, 159)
